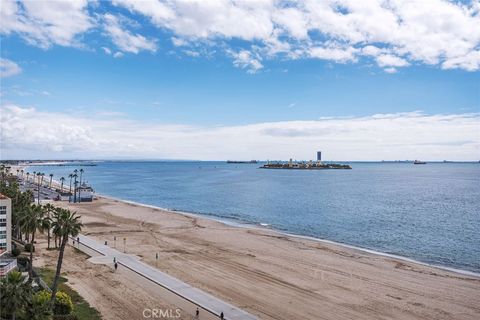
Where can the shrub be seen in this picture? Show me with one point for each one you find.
(16, 251)
(43, 296)
(63, 304)
(22, 261)
(29, 247)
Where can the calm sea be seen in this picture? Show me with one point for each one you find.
(430, 212)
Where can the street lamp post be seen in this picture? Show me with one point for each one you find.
(124, 244)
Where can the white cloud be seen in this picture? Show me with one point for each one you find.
(44, 23)
(433, 32)
(8, 68)
(27, 132)
(247, 60)
(124, 39)
(107, 50)
(388, 60)
(390, 70)
(118, 54)
(336, 54)
(470, 62)
(430, 32)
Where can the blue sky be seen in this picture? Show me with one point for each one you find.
(236, 66)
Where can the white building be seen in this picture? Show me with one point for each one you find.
(6, 261)
(5, 224)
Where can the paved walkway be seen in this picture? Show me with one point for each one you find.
(187, 292)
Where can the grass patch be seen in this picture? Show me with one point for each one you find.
(82, 308)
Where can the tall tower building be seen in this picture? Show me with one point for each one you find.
(319, 155)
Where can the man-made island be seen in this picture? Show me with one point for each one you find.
(306, 165)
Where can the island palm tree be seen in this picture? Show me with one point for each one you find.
(32, 222)
(65, 224)
(51, 177)
(62, 180)
(14, 294)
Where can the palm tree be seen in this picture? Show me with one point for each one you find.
(75, 175)
(80, 184)
(70, 176)
(31, 222)
(28, 174)
(81, 173)
(42, 175)
(62, 180)
(20, 211)
(14, 294)
(39, 174)
(51, 177)
(75, 184)
(22, 172)
(66, 224)
(56, 216)
(46, 224)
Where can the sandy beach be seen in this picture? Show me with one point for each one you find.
(269, 274)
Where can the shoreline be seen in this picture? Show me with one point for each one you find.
(269, 273)
(264, 227)
(246, 225)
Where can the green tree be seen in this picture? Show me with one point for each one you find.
(46, 224)
(62, 180)
(32, 222)
(14, 295)
(65, 224)
(39, 307)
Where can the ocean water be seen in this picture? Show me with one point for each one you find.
(430, 212)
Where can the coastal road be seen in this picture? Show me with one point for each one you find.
(104, 254)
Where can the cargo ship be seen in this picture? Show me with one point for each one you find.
(419, 162)
(236, 161)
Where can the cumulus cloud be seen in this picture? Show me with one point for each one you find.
(392, 33)
(8, 68)
(45, 23)
(124, 39)
(435, 32)
(27, 132)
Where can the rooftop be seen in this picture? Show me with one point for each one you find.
(3, 196)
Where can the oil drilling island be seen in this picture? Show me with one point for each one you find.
(305, 165)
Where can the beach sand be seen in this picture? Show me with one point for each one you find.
(264, 272)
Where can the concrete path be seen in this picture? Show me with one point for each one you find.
(185, 291)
